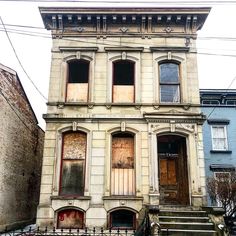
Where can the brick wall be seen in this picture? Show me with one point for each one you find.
(21, 146)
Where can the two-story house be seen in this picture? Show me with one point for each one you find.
(219, 131)
(123, 124)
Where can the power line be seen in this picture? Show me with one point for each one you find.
(200, 2)
(19, 61)
(232, 81)
(43, 35)
(224, 38)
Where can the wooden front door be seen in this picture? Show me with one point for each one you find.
(173, 174)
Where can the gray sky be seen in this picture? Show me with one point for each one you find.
(215, 71)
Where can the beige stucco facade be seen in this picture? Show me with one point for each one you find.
(146, 37)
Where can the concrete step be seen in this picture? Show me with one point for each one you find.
(202, 219)
(185, 213)
(185, 232)
(187, 225)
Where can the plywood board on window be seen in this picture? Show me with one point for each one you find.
(122, 182)
(123, 93)
(77, 92)
(123, 152)
(70, 219)
(74, 146)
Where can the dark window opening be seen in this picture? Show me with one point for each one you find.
(70, 219)
(73, 164)
(122, 219)
(78, 71)
(123, 73)
(169, 83)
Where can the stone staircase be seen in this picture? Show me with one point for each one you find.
(185, 222)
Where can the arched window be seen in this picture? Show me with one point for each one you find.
(123, 81)
(78, 81)
(70, 219)
(122, 219)
(122, 174)
(169, 82)
(73, 163)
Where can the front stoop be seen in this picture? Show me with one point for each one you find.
(185, 222)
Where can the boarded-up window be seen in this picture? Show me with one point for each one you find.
(78, 79)
(122, 177)
(122, 219)
(73, 163)
(70, 219)
(123, 81)
(169, 83)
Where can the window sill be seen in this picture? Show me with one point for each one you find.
(70, 197)
(122, 198)
(221, 151)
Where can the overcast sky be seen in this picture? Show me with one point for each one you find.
(215, 71)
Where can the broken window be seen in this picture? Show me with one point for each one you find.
(169, 83)
(123, 81)
(122, 176)
(78, 80)
(122, 219)
(73, 163)
(70, 219)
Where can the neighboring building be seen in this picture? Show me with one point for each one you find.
(21, 151)
(219, 130)
(123, 125)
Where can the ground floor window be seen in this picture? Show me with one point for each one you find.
(122, 219)
(70, 219)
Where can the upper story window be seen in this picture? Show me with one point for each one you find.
(231, 102)
(73, 163)
(211, 102)
(78, 81)
(169, 82)
(123, 81)
(219, 138)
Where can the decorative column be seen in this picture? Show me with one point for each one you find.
(154, 194)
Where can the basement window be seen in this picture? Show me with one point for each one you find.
(73, 164)
(70, 219)
(122, 219)
(123, 81)
(78, 81)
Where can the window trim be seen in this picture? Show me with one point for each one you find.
(225, 137)
(170, 84)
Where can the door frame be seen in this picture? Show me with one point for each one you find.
(185, 145)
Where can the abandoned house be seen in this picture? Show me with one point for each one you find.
(123, 124)
(21, 152)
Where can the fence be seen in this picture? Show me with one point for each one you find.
(72, 232)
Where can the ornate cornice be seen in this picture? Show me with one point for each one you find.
(102, 22)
